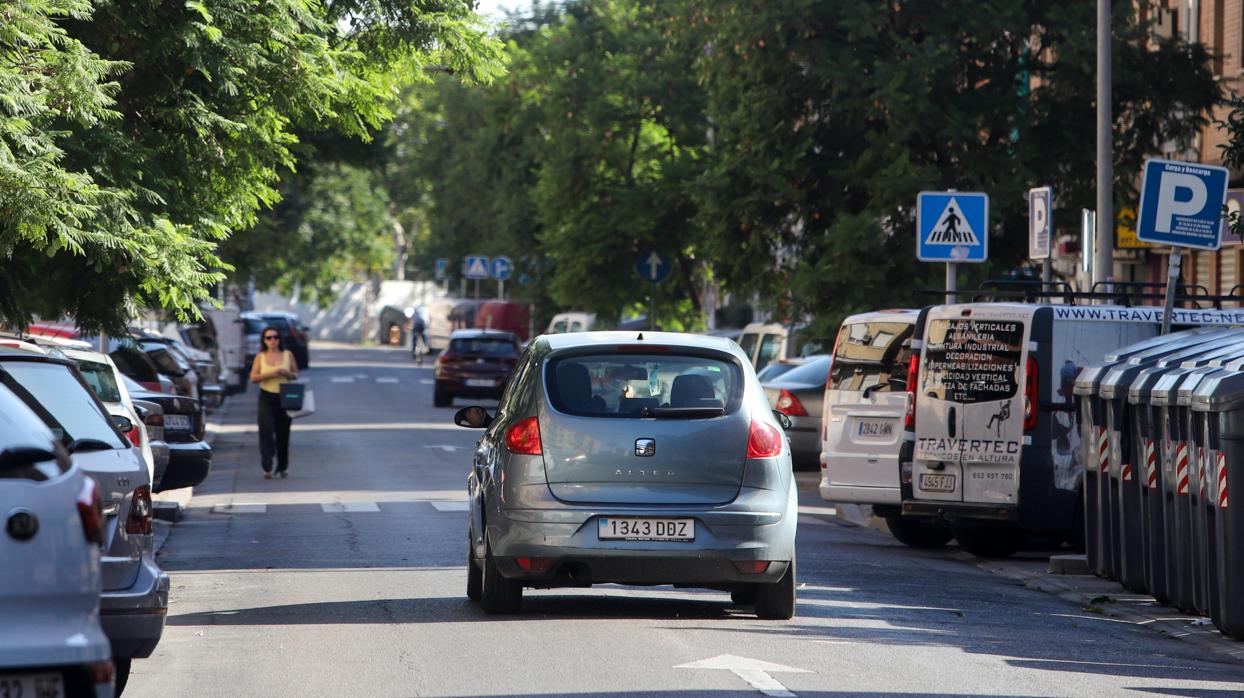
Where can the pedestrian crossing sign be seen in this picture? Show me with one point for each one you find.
(953, 226)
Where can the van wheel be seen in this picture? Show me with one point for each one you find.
(988, 541)
(919, 532)
(121, 669)
(777, 601)
(440, 398)
(499, 595)
(475, 576)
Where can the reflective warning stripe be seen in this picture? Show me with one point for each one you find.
(1222, 479)
(1103, 450)
(1127, 472)
(1151, 465)
(1181, 467)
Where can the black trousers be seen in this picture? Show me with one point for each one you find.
(273, 432)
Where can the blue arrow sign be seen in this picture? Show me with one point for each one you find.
(502, 267)
(952, 226)
(441, 265)
(1181, 204)
(475, 267)
(651, 266)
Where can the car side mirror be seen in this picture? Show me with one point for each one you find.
(123, 423)
(782, 419)
(472, 417)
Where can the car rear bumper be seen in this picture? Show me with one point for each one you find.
(962, 510)
(459, 388)
(851, 494)
(189, 464)
(692, 568)
(133, 618)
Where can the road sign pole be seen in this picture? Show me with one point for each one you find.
(477, 289)
(652, 306)
(952, 282)
(1103, 265)
(1172, 279)
(501, 289)
(1047, 273)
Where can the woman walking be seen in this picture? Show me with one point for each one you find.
(272, 367)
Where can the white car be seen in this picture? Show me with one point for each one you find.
(51, 642)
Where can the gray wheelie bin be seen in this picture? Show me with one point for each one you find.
(1220, 398)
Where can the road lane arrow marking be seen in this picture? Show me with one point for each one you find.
(443, 447)
(754, 671)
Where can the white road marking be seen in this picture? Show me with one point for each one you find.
(426, 381)
(450, 506)
(444, 447)
(240, 508)
(386, 379)
(343, 379)
(339, 507)
(813, 521)
(754, 671)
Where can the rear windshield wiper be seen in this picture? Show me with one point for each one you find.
(682, 412)
(89, 445)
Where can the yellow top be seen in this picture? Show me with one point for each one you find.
(272, 385)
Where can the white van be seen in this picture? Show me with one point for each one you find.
(767, 342)
(231, 341)
(862, 422)
(573, 321)
(996, 436)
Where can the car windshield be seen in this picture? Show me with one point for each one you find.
(53, 391)
(101, 379)
(487, 346)
(814, 371)
(629, 385)
(254, 325)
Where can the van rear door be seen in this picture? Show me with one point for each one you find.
(970, 404)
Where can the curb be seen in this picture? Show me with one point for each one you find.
(169, 506)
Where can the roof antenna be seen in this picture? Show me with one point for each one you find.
(640, 337)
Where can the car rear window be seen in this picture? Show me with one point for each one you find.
(812, 371)
(868, 354)
(622, 385)
(164, 361)
(134, 363)
(254, 325)
(55, 394)
(101, 379)
(485, 346)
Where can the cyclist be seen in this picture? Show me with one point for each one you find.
(419, 333)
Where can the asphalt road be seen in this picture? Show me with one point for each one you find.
(348, 579)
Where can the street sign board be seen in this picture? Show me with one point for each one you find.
(952, 226)
(475, 267)
(651, 266)
(441, 265)
(1181, 204)
(501, 268)
(1040, 222)
(1235, 204)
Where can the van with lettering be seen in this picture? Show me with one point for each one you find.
(996, 440)
(862, 422)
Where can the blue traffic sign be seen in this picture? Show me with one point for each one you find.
(502, 267)
(651, 266)
(475, 267)
(952, 226)
(1040, 225)
(441, 265)
(1181, 204)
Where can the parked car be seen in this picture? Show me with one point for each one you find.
(174, 364)
(230, 340)
(477, 364)
(676, 473)
(128, 356)
(776, 368)
(134, 601)
(293, 335)
(799, 394)
(205, 365)
(184, 429)
(764, 343)
(573, 321)
(51, 641)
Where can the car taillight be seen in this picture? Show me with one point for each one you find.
(1031, 393)
(134, 435)
(524, 437)
(447, 358)
(790, 405)
(829, 384)
(139, 520)
(90, 512)
(153, 386)
(913, 375)
(763, 441)
(154, 420)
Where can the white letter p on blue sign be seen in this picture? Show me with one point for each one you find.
(1169, 205)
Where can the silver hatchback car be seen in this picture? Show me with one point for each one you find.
(617, 457)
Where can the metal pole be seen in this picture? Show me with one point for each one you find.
(1172, 278)
(1103, 263)
(477, 289)
(952, 282)
(652, 306)
(501, 289)
(462, 288)
(1047, 273)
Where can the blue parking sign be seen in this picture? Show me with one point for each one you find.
(1181, 204)
(952, 226)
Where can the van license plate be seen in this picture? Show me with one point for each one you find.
(937, 483)
(875, 428)
(618, 528)
(40, 685)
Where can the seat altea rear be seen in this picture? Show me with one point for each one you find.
(637, 459)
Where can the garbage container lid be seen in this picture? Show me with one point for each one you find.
(1163, 392)
(1221, 391)
(1113, 368)
(1087, 380)
(1183, 394)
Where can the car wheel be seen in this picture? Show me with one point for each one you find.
(499, 595)
(440, 398)
(919, 532)
(743, 596)
(777, 601)
(988, 541)
(475, 576)
(122, 667)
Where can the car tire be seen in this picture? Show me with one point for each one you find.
(916, 532)
(121, 665)
(744, 596)
(440, 398)
(777, 601)
(475, 576)
(989, 541)
(500, 596)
